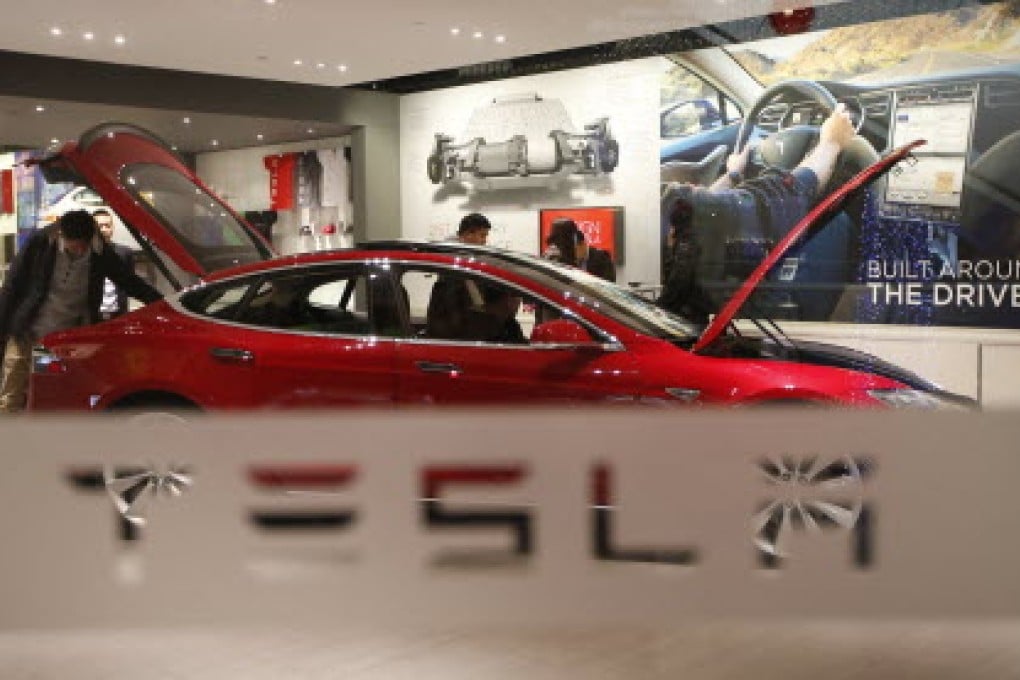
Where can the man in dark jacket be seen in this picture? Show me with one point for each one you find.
(115, 300)
(566, 244)
(596, 261)
(54, 283)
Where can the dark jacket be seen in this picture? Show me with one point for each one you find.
(28, 281)
(600, 264)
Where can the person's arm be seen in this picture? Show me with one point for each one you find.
(117, 270)
(735, 166)
(837, 131)
(17, 276)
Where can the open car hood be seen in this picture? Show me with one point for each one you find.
(823, 211)
(160, 200)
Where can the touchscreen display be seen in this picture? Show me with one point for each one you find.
(946, 126)
(932, 180)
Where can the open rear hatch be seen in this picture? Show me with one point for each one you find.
(185, 228)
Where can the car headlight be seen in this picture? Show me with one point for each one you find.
(920, 399)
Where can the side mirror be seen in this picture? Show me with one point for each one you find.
(561, 332)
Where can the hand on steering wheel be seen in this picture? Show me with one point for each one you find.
(737, 161)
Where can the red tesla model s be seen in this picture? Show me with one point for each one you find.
(406, 323)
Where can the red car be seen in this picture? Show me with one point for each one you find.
(405, 323)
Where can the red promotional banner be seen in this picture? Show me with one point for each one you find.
(281, 180)
(602, 227)
(6, 192)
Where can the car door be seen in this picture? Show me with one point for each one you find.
(306, 338)
(486, 355)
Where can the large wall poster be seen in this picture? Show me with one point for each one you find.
(935, 243)
(559, 140)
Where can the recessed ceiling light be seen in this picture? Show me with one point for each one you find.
(56, 32)
(40, 108)
(119, 39)
(88, 35)
(186, 120)
(320, 65)
(478, 35)
(501, 38)
(297, 62)
(270, 2)
(342, 68)
(454, 31)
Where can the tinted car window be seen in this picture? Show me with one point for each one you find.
(220, 302)
(454, 305)
(345, 301)
(621, 305)
(203, 225)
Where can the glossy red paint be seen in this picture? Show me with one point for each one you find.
(168, 354)
(163, 350)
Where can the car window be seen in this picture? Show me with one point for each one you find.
(349, 300)
(459, 306)
(218, 301)
(691, 105)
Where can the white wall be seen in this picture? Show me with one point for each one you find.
(627, 93)
(240, 178)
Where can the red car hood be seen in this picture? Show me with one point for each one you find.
(822, 211)
(161, 201)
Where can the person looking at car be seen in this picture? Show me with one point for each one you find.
(114, 299)
(466, 309)
(739, 211)
(684, 294)
(474, 229)
(56, 282)
(566, 244)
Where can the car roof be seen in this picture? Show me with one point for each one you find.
(375, 249)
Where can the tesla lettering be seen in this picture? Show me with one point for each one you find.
(806, 494)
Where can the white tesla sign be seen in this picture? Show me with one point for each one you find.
(609, 516)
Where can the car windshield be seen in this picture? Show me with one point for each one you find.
(616, 302)
(966, 38)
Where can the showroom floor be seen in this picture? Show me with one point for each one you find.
(834, 651)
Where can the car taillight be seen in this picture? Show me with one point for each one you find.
(45, 361)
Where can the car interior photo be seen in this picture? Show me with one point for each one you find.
(950, 205)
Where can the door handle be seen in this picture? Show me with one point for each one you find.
(433, 367)
(233, 354)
